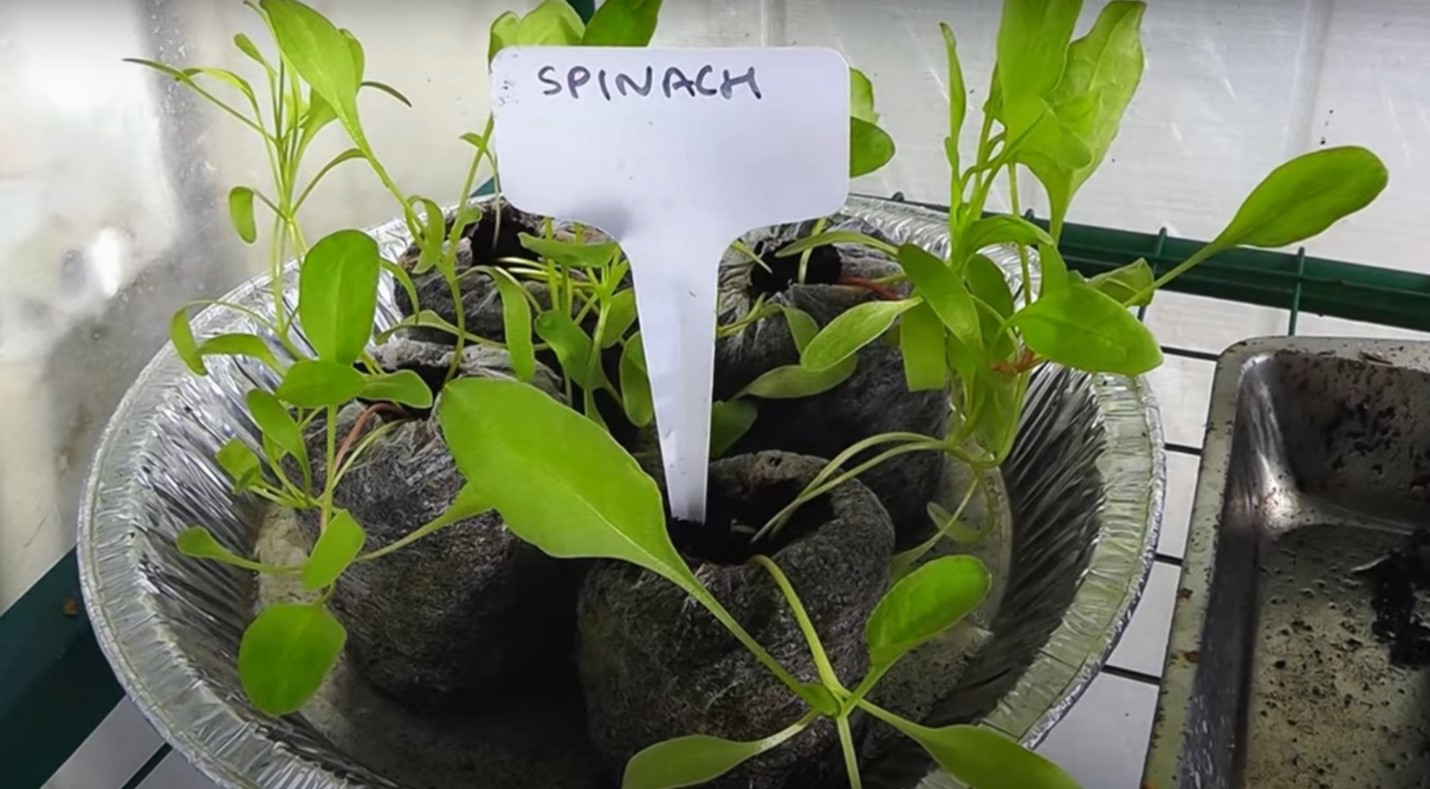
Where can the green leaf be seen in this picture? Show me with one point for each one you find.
(802, 326)
(388, 89)
(922, 605)
(1084, 329)
(1004, 229)
(1130, 285)
(981, 758)
(622, 23)
(1032, 48)
(572, 253)
(246, 46)
(1304, 196)
(987, 283)
(559, 481)
(322, 55)
(239, 345)
(346, 156)
(318, 116)
(943, 290)
(794, 381)
(516, 320)
(339, 543)
(337, 294)
(729, 421)
(636, 398)
(619, 318)
(278, 426)
(861, 97)
(996, 407)
(182, 337)
(922, 346)
(314, 383)
(948, 526)
(240, 463)
(198, 543)
(240, 212)
(505, 31)
(853, 329)
(553, 23)
(569, 341)
(1054, 271)
(870, 147)
(285, 654)
(695, 759)
(834, 237)
(403, 387)
(957, 95)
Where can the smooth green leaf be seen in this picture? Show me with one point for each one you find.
(553, 23)
(1053, 270)
(317, 384)
(572, 253)
(622, 23)
(569, 341)
(835, 237)
(996, 407)
(198, 543)
(695, 759)
(239, 345)
(505, 32)
(559, 481)
(964, 360)
(620, 317)
(278, 426)
(729, 421)
(987, 283)
(227, 77)
(516, 322)
(870, 147)
(922, 605)
(318, 116)
(240, 463)
(403, 387)
(1130, 285)
(346, 156)
(793, 380)
(1004, 229)
(1304, 196)
(388, 89)
(802, 326)
(339, 543)
(861, 97)
(957, 95)
(323, 56)
(636, 397)
(1084, 329)
(285, 654)
(921, 344)
(948, 526)
(432, 238)
(943, 290)
(1032, 47)
(240, 212)
(355, 50)
(187, 348)
(853, 329)
(337, 294)
(982, 758)
(246, 46)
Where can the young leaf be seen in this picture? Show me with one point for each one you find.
(923, 604)
(870, 147)
(996, 408)
(957, 95)
(516, 322)
(981, 758)
(240, 212)
(802, 326)
(403, 387)
(318, 384)
(1054, 271)
(198, 543)
(695, 759)
(1004, 229)
(239, 463)
(861, 97)
(794, 381)
(636, 398)
(278, 426)
(386, 88)
(1130, 285)
(1304, 196)
(622, 23)
(322, 55)
(571, 253)
(285, 654)
(851, 330)
(182, 337)
(1032, 47)
(987, 283)
(337, 294)
(620, 318)
(239, 345)
(835, 237)
(943, 290)
(572, 346)
(729, 421)
(553, 23)
(339, 543)
(922, 346)
(246, 46)
(505, 32)
(559, 481)
(1084, 329)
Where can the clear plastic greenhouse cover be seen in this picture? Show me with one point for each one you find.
(113, 179)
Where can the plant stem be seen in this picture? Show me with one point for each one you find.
(698, 591)
(911, 557)
(804, 258)
(1022, 250)
(593, 363)
(846, 743)
(816, 648)
(331, 466)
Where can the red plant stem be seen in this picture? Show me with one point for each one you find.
(870, 285)
(356, 430)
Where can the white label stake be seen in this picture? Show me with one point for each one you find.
(674, 153)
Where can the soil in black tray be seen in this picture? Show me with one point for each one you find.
(1400, 586)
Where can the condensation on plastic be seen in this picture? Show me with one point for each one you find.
(1085, 486)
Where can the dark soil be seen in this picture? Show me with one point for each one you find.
(717, 542)
(780, 272)
(1399, 584)
(490, 243)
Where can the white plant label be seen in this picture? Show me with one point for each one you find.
(674, 153)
